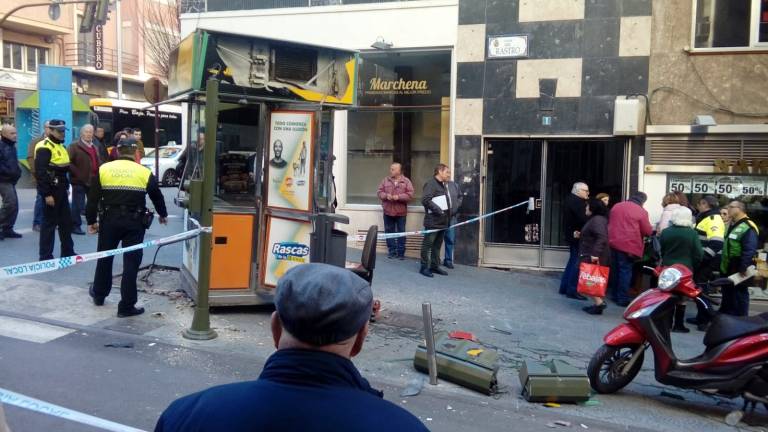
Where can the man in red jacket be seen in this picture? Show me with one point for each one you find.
(394, 192)
(628, 223)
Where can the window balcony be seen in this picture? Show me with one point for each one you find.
(84, 55)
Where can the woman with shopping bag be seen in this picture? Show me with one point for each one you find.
(595, 257)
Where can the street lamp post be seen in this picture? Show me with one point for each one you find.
(119, 51)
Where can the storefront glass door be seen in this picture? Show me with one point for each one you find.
(546, 171)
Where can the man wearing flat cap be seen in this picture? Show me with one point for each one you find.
(310, 383)
(51, 169)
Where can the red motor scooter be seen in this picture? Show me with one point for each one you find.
(734, 362)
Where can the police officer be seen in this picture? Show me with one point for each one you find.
(51, 168)
(118, 194)
(739, 251)
(711, 230)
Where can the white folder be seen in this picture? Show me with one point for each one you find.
(441, 202)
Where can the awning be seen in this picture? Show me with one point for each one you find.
(33, 102)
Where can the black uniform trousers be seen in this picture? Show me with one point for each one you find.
(57, 216)
(114, 229)
(736, 299)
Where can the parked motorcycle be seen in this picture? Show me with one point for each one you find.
(734, 362)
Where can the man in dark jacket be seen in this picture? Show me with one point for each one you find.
(9, 175)
(84, 162)
(739, 250)
(437, 216)
(574, 218)
(310, 383)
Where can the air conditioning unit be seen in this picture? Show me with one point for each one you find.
(629, 116)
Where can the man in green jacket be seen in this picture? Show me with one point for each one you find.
(739, 250)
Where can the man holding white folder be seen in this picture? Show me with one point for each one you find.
(437, 215)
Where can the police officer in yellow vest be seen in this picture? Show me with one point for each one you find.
(117, 196)
(739, 251)
(711, 230)
(51, 168)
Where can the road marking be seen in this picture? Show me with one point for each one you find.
(22, 401)
(31, 331)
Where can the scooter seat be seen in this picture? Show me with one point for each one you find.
(725, 328)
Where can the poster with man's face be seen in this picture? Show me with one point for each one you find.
(289, 174)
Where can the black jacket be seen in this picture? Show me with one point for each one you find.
(434, 217)
(594, 240)
(299, 390)
(10, 171)
(574, 216)
(46, 174)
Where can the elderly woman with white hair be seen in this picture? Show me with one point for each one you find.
(680, 244)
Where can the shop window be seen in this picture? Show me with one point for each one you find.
(730, 23)
(377, 139)
(23, 57)
(751, 189)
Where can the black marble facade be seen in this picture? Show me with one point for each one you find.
(595, 39)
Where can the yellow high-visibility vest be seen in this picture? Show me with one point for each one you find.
(59, 155)
(125, 175)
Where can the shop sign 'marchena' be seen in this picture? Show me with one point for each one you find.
(741, 166)
(398, 86)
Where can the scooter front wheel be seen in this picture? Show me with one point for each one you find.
(606, 369)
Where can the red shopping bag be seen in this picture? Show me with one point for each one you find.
(593, 279)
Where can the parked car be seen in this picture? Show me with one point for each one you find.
(169, 163)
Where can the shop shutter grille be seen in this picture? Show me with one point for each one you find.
(298, 64)
(704, 152)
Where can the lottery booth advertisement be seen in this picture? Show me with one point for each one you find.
(259, 160)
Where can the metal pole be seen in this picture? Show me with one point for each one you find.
(201, 322)
(18, 8)
(119, 51)
(157, 133)
(429, 336)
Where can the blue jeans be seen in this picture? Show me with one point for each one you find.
(450, 241)
(621, 276)
(37, 217)
(571, 272)
(78, 204)
(395, 224)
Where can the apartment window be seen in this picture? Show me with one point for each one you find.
(23, 57)
(730, 24)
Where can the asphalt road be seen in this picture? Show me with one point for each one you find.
(132, 385)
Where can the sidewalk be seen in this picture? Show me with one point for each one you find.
(520, 313)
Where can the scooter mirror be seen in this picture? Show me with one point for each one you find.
(650, 271)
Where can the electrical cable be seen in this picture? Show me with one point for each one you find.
(706, 104)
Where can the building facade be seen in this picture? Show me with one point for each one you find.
(527, 97)
(388, 124)
(29, 38)
(536, 86)
(709, 58)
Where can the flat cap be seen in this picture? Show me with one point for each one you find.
(57, 124)
(321, 304)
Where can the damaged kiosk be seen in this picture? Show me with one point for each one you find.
(259, 157)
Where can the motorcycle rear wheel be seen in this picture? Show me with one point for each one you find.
(605, 368)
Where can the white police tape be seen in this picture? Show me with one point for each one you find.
(16, 399)
(38, 267)
(385, 236)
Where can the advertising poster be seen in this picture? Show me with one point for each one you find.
(191, 250)
(289, 171)
(287, 247)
